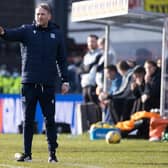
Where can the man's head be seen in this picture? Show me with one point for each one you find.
(111, 71)
(42, 14)
(92, 42)
(138, 75)
(101, 43)
(150, 67)
(123, 67)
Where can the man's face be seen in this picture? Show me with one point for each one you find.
(149, 68)
(42, 17)
(110, 74)
(100, 44)
(138, 78)
(91, 43)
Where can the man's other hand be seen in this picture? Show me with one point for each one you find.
(65, 87)
(2, 31)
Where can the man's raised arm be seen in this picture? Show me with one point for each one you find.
(13, 34)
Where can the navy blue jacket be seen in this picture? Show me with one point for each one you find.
(42, 52)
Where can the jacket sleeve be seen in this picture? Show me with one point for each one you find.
(153, 87)
(14, 34)
(86, 68)
(137, 92)
(61, 60)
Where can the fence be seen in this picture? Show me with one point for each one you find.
(11, 113)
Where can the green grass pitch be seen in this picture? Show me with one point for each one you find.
(81, 152)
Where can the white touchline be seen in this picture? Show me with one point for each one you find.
(81, 165)
(11, 166)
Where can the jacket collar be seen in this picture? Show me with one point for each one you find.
(51, 25)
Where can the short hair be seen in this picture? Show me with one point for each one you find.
(153, 63)
(93, 36)
(131, 63)
(123, 65)
(139, 70)
(102, 39)
(111, 67)
(45, 6)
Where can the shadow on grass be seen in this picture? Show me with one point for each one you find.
(119, 151)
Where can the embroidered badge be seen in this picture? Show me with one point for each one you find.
(52, 35)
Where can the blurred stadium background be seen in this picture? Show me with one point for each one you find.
(125, 41)
(128, 42)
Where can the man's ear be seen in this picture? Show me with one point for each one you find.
(49, 17)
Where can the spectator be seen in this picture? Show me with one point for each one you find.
(88, 70)
(115, 78)
(73, 75)
(138, 87)
(122, 99)
(126, 73)
(151, 95)
(111, 59)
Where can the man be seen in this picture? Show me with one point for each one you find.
(111, 59)
(122, 98)
(42, 52)
(115, 78)
(88, 70)
(151, 94)
(138, 87)
(111, 54)
(115, 81)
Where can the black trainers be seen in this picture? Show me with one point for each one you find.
(24, 158)
(52, 158)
